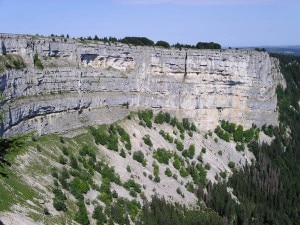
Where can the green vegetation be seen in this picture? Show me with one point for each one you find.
(268, 130)
(37, 62)
(228, 131)
(162, 44)
(190, 152)
(131, 184)
(168, 172)
(147, 140)
(179, 145)
(146, 118)
(160, 212)
(162, 155)
(142, 41)
(11, 61)
(138, 156)
(166, 136)
(208, 45)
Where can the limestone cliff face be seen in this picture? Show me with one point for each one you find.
(88, 83)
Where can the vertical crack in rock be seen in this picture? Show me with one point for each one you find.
(185, 65)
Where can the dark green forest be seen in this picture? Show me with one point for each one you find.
(268, 191)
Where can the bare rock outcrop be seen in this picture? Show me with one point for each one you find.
(88, 82)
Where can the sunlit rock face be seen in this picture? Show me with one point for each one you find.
(89, 83)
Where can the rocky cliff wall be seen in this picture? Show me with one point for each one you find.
(87, 83)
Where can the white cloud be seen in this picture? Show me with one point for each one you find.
(197, 2)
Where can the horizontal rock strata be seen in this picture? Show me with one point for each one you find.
(87, 83)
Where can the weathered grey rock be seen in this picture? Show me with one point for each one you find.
(91, 83)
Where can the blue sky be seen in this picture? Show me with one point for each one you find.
(229, 22)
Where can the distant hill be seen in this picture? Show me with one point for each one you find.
(288, 50)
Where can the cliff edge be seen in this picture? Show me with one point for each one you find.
(88, 82)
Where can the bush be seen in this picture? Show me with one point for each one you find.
(113, 142)
(224, 135)
(101, 135)
(231, 165)
(177, 164)
(190, 187)
(109, 172)
(190, 152)
(207, 166)
(138, 156)
(155, 169)
(238, 135)
(208, 45)
(157, 179)
(82, 216)
(131, 184)
(142, 41)
(62, 160)
(179, 145)
(183, 172)
(146, 116)
(223, 174)
(240, 147)
(168, 172)
(122, 153)
(162, 155)
(147, 140)
(99, 216)
(59, 200)
(37, 62)
(268, 130)
(78, 187)
(162, 44)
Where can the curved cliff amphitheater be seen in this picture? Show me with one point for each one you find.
(88, 83)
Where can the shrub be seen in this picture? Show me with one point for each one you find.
(231, 165)
(131, 184)
(190, 187)
(238, 135)
(162, 155)
(207, 166)
(168, 172)
(109, 172)
(268, 130)
(128, 169)
(65, 151)
(59, 200)
(113, 142)
(37, 62)
(162, 44)
(101, 135)
(138, 156)
(155, 169)
(99, 216)
(82, 216)
(146, 116)
(147, 140)
(179, 145)
(62, 160)
(224, 135)
(183, 172)
(223, 174)
(190, 152)
(122, 153)
(177, 164)
(78, 187)
(157, 179)
(240, 147)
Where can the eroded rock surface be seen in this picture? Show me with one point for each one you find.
(88, 83)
